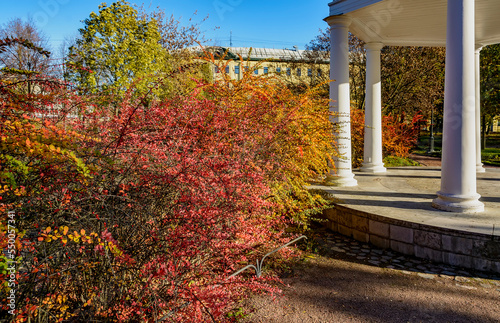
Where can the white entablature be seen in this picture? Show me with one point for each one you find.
(413, 22)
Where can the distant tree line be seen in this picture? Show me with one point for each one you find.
(413, 77)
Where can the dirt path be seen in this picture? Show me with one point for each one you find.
(426, 160)
(338, 287)
(329, 290)
(433, 161)
(341, 285)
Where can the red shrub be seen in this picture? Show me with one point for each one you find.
(399, 135)
(143, 214)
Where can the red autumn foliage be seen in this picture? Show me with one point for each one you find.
(399, 135)
(142, 215)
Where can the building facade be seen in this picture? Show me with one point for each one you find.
(294, 65)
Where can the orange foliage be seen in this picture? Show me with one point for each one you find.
(399, 135)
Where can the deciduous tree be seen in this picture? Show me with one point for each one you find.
(120, 46)
(490, 86)
(116, 48)
(412, 77)
(18, 57)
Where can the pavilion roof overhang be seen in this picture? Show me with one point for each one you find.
(413, 23)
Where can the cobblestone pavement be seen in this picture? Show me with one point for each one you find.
(341, 247)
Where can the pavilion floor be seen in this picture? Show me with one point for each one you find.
(393, 210)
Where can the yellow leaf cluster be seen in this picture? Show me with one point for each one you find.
(300, 128)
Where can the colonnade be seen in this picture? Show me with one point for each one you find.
(461, 152)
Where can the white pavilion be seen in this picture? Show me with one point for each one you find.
(464, 27)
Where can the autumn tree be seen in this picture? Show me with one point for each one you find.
(116, 48)
(490, 86)
(413, 77)
(120, 46)
(174, 36)
(18, 57)
(177, 40)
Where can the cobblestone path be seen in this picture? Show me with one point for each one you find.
(338, 246)
(345, 281)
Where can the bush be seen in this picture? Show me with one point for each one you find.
(399, 135)
(144, 214)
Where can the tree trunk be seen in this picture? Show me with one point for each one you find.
(484, 132)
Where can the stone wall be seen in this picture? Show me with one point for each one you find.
(453, 247)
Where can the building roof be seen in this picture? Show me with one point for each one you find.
(412, 22)
(268, 53)
(257, 54)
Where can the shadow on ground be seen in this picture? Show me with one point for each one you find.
(355, 282)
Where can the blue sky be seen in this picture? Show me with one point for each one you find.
(256, 23)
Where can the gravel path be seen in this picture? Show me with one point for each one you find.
(348, 281)
(426, 160)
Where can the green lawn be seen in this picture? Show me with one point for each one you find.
(493, 140)
(393, 161)
(423, 145)
(489, 156)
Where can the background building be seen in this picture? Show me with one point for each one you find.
(296, 66)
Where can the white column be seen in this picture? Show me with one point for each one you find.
(340, 100)
(479, 165)
(458, 171)
(373, 161)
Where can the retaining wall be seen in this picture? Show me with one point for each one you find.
(453, 247)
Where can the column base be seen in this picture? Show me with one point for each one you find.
(341, 181)
(480, 168)
(458, 203)
(373, 168)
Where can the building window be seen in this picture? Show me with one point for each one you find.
(246, 68)
(278, 69)
(319, 72)
(217, 69)
(288, 71)
(256, 71)
(227, 69)
(237, 70)
(299, 72)
(309, 72)
(266, 70)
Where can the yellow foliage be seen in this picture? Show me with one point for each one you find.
(300, 127)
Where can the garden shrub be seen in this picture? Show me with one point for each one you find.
(399, 135)
(142, 215)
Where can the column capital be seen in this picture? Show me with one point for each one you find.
(478, 47)
(338, 21)
(374, 46)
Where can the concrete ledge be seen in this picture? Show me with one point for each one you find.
(404, 248)
(379, 228)
(457, 244)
